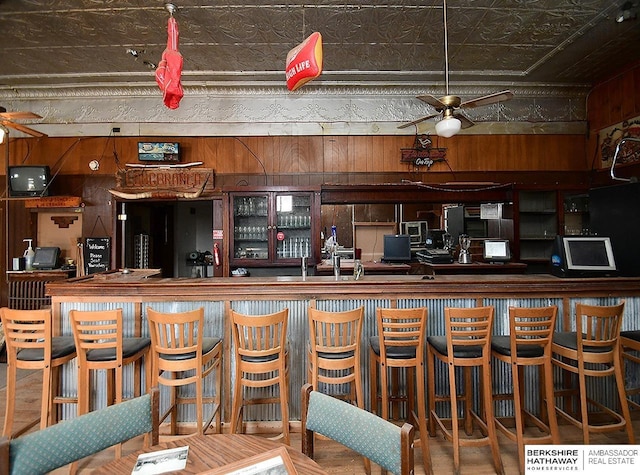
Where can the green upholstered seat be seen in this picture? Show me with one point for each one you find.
(60, 444)
(389, 446)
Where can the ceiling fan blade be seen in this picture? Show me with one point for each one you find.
(19, 115)
(488, 99)
(417, 121)
(465, 121)
(23, 128)
(433, 101)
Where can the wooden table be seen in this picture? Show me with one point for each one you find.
(217, 450)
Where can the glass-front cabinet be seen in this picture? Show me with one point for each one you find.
(272, 228)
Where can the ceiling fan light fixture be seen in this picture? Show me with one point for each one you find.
(3, 133)
(448, 127)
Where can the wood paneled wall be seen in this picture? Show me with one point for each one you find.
(296, 155)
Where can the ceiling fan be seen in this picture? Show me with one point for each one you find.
(7, 120)
(451, 106)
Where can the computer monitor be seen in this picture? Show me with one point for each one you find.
(583, 256)
(496, 250)
(417, 230)
(396, 248)
(46, 258)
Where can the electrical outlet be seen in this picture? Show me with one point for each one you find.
(115, 130)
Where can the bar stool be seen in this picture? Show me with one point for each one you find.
(528, 345)
(593, 350)
(101, 346)
(261, 361)
(630, 341)
(334, 352)
(31, 346)
(183, 356)
(400, 345)
(467, 344)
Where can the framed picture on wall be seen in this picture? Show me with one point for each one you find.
(159, 151)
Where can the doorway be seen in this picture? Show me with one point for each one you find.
(166, 234)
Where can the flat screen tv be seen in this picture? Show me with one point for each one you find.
(46, 258)
(496, 250)
(396, 248)
(583, 256)
(29, 180)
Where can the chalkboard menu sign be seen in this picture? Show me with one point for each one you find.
(97, 253)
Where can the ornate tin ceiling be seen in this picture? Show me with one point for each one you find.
(64, 48)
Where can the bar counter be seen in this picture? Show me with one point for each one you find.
(139, 289)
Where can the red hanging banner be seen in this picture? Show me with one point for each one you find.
(169, 69)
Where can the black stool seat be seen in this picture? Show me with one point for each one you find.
(397, 352)
(61, 346)
(439, 343)
(502, 345)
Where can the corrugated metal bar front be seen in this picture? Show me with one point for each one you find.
(299, 332)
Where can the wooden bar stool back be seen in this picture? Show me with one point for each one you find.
(334, 352)
(31, 346)
(261, 361)
(630, 341)
(400, 344)
(467, 344)
(528, 345)
(182, 357)
(593, 351)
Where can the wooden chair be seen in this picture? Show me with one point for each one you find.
(630, 341)
(68, 441)
(31, 346)
(334, 352)
(593, 350)
(528, 345)
(467, 344)
(400, 345)
(183, 356)
(100, 345)
(389, 446)
(261, 361)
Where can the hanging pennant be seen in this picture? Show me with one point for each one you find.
(169, 69)
(304, 62)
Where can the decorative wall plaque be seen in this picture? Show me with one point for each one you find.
(164, 183)
(423, 154)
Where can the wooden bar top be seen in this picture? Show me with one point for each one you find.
(370, 267)
(234, 288)
(475, 268)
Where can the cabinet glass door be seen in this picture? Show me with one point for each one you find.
(293, 226)
(251, 227)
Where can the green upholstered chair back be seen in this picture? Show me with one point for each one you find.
(60, 444)
(389, 446)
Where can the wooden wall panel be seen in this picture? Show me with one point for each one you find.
(615, 100)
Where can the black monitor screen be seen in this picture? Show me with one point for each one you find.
(589, 253)
(397, 248)
(46, 257)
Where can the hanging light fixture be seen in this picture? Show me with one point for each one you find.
(3, 133)
(449, 125)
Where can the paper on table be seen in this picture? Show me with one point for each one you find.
(161, 461)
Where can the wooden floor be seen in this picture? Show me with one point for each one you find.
(334, 458)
